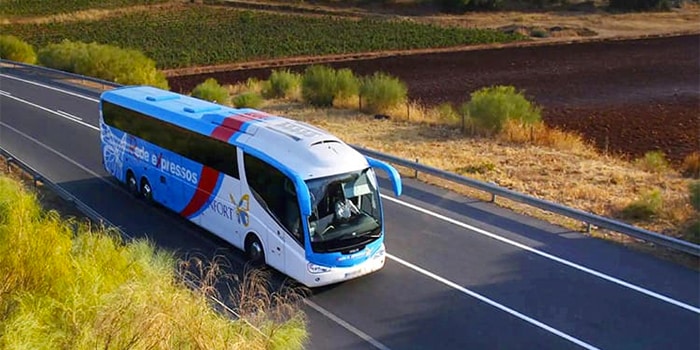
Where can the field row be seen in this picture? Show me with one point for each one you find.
(13, 8)
(184, 36)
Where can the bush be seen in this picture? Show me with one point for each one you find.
(490, 108)
(319, 85)
(640, 5)
(210, 90)
(691, 165)
(248, 100)
(694, 189)
(644, 208)
(381, 91)
(653, 161)
(14, 49)
(347, 84)
(692, 232)
(123, 66)
(282, 84)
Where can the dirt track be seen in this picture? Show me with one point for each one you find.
(629, 96)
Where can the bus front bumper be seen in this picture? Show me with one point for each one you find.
(317, 276)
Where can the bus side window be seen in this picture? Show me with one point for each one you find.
(277, 192)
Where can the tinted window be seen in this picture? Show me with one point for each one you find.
(276, 192)
(197, 147)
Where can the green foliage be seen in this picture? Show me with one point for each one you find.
(319, 85)
(458, 6)
(447, 114)
(247, 100)
(645, 207)
(694, 189)
(282, 84)
(641, 5)
(347, 84)
(382, 91)
(481, 168)
(66, 285)
(489, 108)
(653, 161)
(123, 66)
(210, 90)
(14, 49)
(44, 7)
(193, 35)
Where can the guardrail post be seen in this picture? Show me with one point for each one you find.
(589, 227)
(36, 179)
(9, 162)
(415, 171)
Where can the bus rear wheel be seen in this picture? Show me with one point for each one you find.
(254, 251)
(146, 190)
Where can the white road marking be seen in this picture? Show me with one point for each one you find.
(548, 256)
(5, 93)
(54, 112)
(491, 302)
(50, 87)
(68, 114)
(346, 325)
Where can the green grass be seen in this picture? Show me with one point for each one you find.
(91, 290)
(201, 35)
(32, 8)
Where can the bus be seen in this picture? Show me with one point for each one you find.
(289, 195)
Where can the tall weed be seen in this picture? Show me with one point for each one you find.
(491, 107)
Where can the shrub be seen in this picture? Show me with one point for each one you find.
(640, 5)
(491, 107)
(282, 84)
(653, 161)
(318, 85)
(347, 84)
(14, 49)
(645, 207)
(691, 165)
(447, 114)
(381, 91)
(210, 90)
(694, 189)
(247, 100)
(123, 66)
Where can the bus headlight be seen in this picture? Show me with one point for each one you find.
(316, 269)
(379, 254)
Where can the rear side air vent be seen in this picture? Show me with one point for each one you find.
(324, 142)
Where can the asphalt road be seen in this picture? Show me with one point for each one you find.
(461, 274)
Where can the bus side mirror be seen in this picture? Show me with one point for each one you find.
(390, 171)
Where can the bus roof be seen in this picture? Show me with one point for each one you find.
(306, 150)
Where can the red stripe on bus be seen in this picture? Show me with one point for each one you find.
(205, 187)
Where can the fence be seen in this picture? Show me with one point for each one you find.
(587, 218)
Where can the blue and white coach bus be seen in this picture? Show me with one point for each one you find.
(288, 194)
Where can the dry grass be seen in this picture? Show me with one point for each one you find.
(560, 168)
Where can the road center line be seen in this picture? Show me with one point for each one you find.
(346, 325)
(548, 256)
(73, 119)
(75, 94)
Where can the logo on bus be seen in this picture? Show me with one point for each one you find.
(235, 210)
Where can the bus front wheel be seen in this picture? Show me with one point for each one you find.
(254, 250)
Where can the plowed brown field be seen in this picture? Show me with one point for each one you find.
(628, 97)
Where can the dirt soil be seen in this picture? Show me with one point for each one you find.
(628, 97)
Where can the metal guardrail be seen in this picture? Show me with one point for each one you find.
(494, 190)
(587, 218)
(95, 216)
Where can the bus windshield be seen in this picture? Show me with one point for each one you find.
(345, 211)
